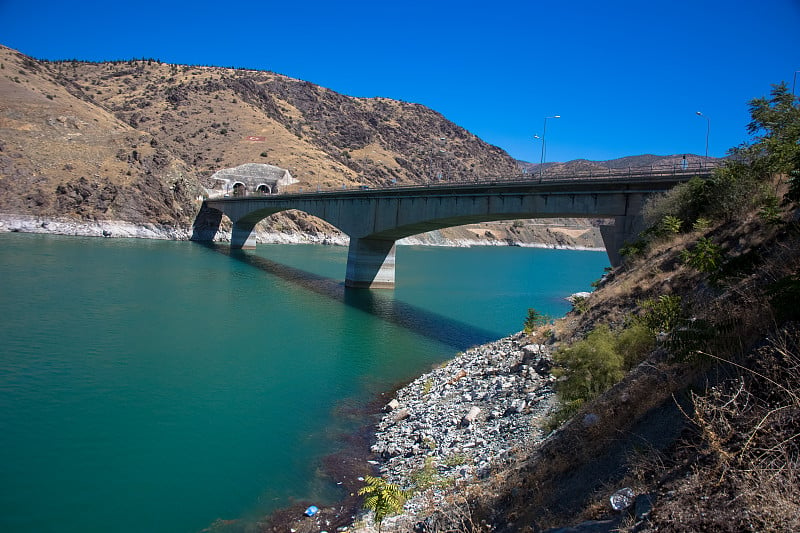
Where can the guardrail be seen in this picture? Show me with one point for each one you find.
(551, 176)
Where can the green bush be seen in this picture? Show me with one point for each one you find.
(661, 314)
(685, 201)
(456, 459)
(426, 476)
(589, 366)
(701, 224)
(562, 413)
(770, 210)
(634, 249)
(634, 343)
(705, 256)
(732, 191)
(580, 305)
(382, 497)
(670, 225)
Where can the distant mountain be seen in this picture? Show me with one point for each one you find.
(635, 161)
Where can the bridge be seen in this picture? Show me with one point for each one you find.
(376, 218)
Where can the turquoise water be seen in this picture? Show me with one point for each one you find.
(157, 386)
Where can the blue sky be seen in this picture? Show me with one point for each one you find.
(626, 77)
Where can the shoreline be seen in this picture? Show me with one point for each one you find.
(453, 425)
(10, 223)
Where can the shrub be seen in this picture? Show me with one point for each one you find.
(634, 343)
(705, 256)
(670, 225)
(770, 210)
(685, 201)
(579, 304)
(589, 366)
(634, 249)
(701, 224)
(661, 314)
(426, 476)
(732, 191)
(456, 459)
(382, 497)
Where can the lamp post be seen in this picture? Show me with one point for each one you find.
(708, 129)
(544, 133)
(794, 81)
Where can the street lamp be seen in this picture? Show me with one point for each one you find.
(544, 132)
(708, 129)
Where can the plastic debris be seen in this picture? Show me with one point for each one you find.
(312, 510)
(622, 499)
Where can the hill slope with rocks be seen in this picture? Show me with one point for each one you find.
(138, 140)
(84, 146)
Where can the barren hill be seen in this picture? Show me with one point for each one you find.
(138, 141)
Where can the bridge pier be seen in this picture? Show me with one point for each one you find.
(242, 236)
(370, 264)
(625, 229)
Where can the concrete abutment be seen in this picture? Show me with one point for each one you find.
(370, 264)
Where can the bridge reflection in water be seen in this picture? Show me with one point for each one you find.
(453, 333)
(375, 219)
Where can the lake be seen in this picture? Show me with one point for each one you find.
(158, 386)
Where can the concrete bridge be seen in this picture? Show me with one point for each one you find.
(376, 218)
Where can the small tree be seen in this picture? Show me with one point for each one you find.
(775, 125)
(382, 497)
(534, 320)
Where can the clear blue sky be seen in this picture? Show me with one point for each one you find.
(626, 77)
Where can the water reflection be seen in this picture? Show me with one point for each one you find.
(377, 303)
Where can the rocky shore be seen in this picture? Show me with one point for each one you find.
(455, 424)
(460, 421)
(124, 229)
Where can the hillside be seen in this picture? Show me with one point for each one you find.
(85, 146)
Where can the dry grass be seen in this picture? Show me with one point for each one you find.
(740, 471)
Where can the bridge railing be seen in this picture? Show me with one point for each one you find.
(676, 169)
(549, 176)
